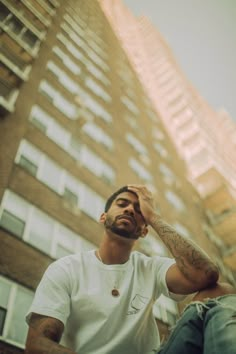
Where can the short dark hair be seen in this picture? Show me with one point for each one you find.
(114, 195)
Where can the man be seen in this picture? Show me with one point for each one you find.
(103, 299)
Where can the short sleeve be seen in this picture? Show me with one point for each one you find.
(160, 267)
(52, 297)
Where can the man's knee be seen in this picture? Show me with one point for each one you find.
(219, 289)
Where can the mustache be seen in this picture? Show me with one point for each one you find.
(126, 216)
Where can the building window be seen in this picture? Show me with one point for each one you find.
(60, 102)
(77, 17)
(29, 38)
(75, 24)
(20, 13)
(50, 127)
(13, 215)
(2, 319)
(72, 35)
(96, 133)
(17, 30)
(175, 200)
(39, 124)
(97, 73)
(96, 59)
(68, 242)
(45, 9)
(15, 301)
(8, 90)
(5, 289)
(50, 173)
(138, 168)
(71, 197)
(47, 171)
(97, 48)
(67, 61)
(18, 328)
(12, 223)
(168, 174)
(28, 165)
(61, 76)
(42, 231)
(18, 61)
(96, 165)
(96, 108)
(95, 37)
(56, 177)
(91, 203)
(136, 144)
(132, 122)
(97, 89)
(74, 147)
(71, 145)
(71, 48)
(161, 150)
(130, 105)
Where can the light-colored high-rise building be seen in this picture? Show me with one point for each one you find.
(77, 122)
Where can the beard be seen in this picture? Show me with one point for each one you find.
(113, 226)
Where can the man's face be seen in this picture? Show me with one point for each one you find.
(124, 217)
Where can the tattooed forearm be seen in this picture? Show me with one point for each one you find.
(43, 345)
(44, 336)
(190, 258)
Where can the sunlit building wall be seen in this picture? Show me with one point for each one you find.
(76, 123)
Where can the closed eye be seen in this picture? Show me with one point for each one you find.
(122, 203)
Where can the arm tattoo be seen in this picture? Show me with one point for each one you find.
(189, 257)
(47, 327)
(44, 336)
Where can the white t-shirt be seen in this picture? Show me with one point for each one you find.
(77, 291)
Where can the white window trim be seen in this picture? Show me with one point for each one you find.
(10, 307)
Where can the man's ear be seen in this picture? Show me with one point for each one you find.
(145, 231)
(102, 218)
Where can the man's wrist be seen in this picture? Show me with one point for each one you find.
(154, 219)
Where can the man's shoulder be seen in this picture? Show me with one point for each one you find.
(72, 259)
(140, 257)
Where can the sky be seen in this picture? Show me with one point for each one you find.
(202, 36)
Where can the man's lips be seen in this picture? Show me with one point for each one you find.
(128, 218)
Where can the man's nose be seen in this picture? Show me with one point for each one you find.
(129, 209)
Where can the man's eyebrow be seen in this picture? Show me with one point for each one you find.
(127, 200)
(123, 199)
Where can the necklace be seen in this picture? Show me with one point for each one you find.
(114, 292)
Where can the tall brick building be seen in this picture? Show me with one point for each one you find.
(76, 123)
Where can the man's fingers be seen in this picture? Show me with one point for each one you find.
(141, 191)
(137, 187)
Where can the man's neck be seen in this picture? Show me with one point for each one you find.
(114, 250)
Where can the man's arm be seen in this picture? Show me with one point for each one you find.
(44, 336)
(193, 270)
(218, 289)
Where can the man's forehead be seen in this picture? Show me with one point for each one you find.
(128, 196)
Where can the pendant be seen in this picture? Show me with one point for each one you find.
(115, 292)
